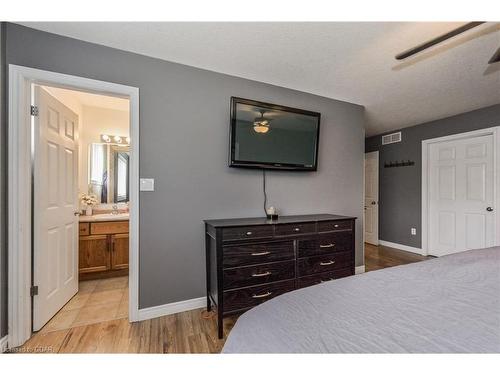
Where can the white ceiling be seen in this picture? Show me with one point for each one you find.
(92, 100)
(351, 61)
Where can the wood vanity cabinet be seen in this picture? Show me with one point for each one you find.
(93, 254)
(103, 249)
(119, 251)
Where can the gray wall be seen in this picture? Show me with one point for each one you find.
(3, 202)
(184, 122)
(401, 188)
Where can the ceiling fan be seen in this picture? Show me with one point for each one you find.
(261, 124)
(450, 34)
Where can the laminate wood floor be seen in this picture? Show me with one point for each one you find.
(378, 257)
(188, 332)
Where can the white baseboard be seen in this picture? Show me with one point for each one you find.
(172, 308)
(359, 269)
(3, 344)
(398, 246)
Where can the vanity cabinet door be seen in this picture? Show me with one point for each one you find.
(119, 251)
(94, 254)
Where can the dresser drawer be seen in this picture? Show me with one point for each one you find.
(289, 229)
(109, 227)
(240, 299)
(323, 263)
(260, 274)
(325, 243)
(327, 226)
(84, 229)
(240, 233)
(245, 255)
(319, 278)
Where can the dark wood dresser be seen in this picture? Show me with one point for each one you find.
(252, 260)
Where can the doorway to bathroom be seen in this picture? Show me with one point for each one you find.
(75, 158)
(81, 152)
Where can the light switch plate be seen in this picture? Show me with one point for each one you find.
(147, 184)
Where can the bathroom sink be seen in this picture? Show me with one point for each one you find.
(105, 217)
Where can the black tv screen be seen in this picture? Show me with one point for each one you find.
(272, 136)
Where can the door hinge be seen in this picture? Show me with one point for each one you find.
(34, 110)
(34, 290)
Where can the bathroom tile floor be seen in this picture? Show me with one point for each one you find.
(96, 301)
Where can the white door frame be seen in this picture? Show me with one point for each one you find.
(377, 157)
(495, 131)
(19, 189)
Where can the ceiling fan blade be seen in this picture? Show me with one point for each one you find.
(437, 40)
(495, 58)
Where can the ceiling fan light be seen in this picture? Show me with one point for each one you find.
(261, 124)
(261, 128)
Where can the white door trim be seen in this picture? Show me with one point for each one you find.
(19, 189)
(495, 131)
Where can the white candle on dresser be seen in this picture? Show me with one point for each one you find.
(271, 210)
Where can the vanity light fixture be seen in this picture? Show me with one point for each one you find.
(115, 139)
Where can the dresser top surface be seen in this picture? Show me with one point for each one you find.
(240, 222)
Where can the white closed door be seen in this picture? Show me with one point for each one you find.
(55, 250)
(461, 195)
(371, 198)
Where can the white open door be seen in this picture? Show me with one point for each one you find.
(461, 195)
(55, 253)
(371, 198)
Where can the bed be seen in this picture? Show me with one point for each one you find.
(443, 305)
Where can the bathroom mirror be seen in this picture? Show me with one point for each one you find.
(108, 172)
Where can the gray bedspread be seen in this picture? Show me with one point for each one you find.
(444, 305)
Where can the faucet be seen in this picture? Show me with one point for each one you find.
(115, 210)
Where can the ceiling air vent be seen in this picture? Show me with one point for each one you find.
(391, 138)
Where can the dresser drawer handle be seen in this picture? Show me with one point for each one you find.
(326, 246)
(296, 229)
(336, 226)
(329, 263)
(249, 233)
(262, 295)
(267, 273)
(261, 253)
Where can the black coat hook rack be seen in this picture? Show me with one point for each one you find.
(397, 164)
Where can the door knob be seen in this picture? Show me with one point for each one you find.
(489, 209)
(373, 202)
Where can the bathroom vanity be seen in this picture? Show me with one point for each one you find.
(103, 246)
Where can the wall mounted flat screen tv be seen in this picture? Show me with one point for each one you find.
(271, 136)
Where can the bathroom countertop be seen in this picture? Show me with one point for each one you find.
(123, 216)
